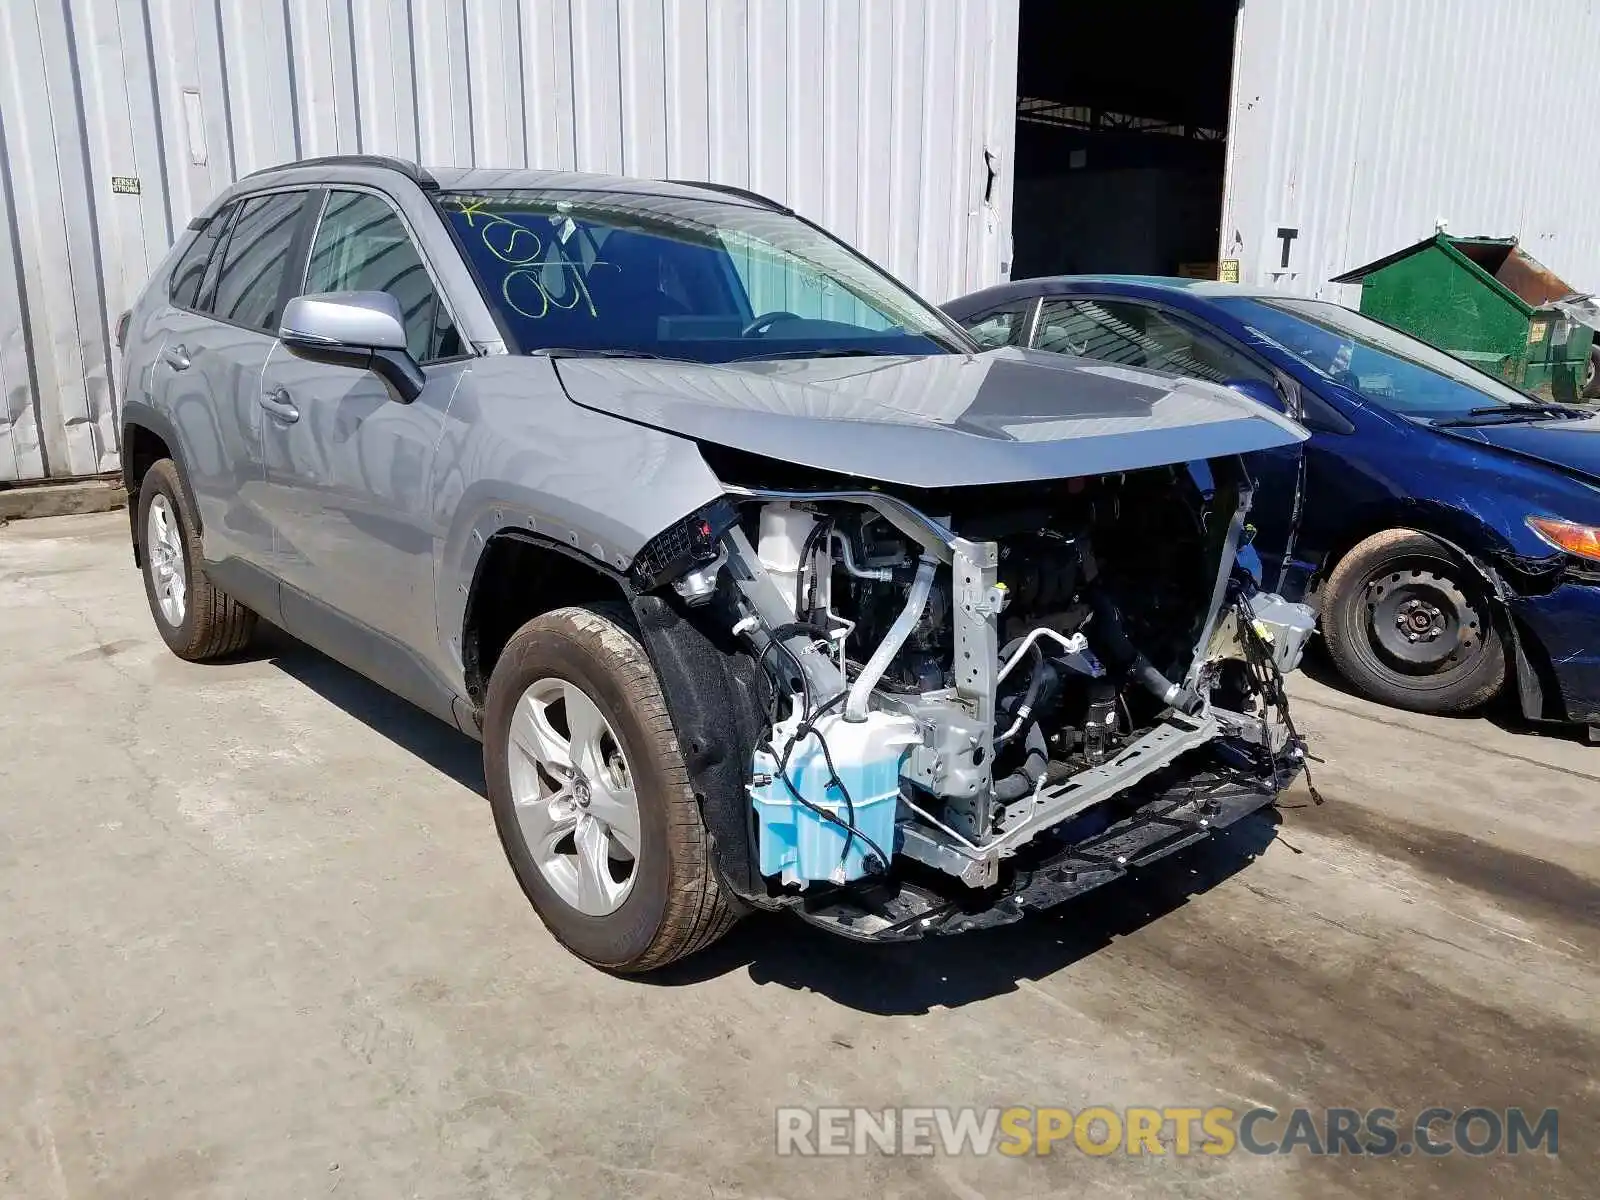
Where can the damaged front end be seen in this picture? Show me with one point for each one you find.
(911, 711)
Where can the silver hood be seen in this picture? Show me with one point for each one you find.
(1004, 416)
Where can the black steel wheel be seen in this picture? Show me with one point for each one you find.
(1409, 624)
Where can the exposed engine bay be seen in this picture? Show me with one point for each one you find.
(965, 680)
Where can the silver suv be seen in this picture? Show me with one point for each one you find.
(761, 586)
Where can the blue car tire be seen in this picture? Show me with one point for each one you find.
(1408, 624)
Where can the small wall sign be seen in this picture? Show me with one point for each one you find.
(125, 185)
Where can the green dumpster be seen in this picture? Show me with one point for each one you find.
(1485, 301)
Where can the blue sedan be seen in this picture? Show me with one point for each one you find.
(1446, 526)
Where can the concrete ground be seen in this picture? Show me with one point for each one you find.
(259, 940)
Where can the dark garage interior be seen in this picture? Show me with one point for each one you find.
(1122, 118)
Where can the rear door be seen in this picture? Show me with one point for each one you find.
(348, 465)
(226, 296)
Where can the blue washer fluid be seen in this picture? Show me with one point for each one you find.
(803, 846)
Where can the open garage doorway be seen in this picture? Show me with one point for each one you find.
(1122, 119)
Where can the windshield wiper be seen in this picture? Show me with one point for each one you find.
(600, 352)
(1506, 414)
(817, 352)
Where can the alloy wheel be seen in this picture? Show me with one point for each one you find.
(164, 561)
(574, 796)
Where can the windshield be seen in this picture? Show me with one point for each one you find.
(1383, 364)
(678, 277)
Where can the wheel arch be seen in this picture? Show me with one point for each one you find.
(519, 575)
(1463, 532)
(147, 437)
(1478, 548)
(715, 692)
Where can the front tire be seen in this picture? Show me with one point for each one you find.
(591, 797)
(197, 620)
(1410, 625)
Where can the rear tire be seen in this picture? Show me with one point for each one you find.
(197, 620)
(575, 678)
(1408, 624)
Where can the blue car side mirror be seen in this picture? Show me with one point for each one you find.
(1260, 391)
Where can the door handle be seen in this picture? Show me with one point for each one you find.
(177, 358)
(277, 403)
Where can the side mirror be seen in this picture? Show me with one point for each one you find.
(1258, 390)
(356, 329)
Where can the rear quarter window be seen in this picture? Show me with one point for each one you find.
(191, 269)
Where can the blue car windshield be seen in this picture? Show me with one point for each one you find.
(680, 277)
(1382, 364)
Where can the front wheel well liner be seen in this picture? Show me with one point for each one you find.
(519, 576)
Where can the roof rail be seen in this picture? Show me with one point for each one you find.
(727, 189)
(404, 166)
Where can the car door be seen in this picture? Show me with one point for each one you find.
(222, 327)
(1142, 334)
(348, 465)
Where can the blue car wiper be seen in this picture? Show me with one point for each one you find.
(818, 352)
(1506, 414)
(600, 352)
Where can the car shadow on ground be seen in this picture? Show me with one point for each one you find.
(443, 747)
(948, 972)
(1502, 711)
(905, 978)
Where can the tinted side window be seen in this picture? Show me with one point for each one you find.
(191, 267)
(1001, 327)
(1139, 336)
(362, 246)
(254, 260)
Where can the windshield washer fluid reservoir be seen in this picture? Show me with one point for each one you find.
(800, 844)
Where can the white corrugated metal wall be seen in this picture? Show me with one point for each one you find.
(880, 119)
(1362, 123)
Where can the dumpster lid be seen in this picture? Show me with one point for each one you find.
(1513, 268)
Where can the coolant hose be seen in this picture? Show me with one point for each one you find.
(855, 707)
(1026, 777)
(1029, 698)
(1107, 630)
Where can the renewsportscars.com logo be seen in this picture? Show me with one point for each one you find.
(1139, 1130)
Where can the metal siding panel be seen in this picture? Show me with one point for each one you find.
(442, 66)
(875, 126)
(807, 143)
(767, 42)
(547, 44)
(48, 153)
(870, 116)
(905, 140)
(21, 455)
(597, 79)
(1362, 123)
(686, 87)
(941, 218)
(843, 67)
(499, 102)
(641, 45)
(728, 93)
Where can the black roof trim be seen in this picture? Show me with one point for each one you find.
(403, 166)
(727, 189)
